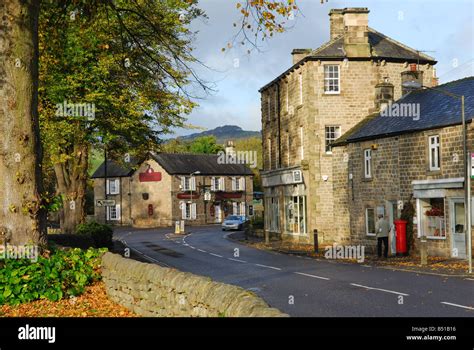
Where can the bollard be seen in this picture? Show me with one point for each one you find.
(182, 227)
(423, 251)
(176, 228)
(315, 238)
(267, 237)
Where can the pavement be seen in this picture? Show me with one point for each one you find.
(301, 285)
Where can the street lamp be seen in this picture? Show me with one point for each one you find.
(197, 172)
(467, 178)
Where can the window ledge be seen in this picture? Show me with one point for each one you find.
(332, 92)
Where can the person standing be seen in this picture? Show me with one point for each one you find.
(382, 229)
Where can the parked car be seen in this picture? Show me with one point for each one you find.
(234, 222)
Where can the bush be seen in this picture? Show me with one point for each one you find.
(257, 222)
(100, 233)
(72, 240)
(63, 274)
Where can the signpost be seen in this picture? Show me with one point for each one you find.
(104, 203)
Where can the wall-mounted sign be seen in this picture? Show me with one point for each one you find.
(149, 175)
(188, 195)
(105, 202)
(228, 195)
(472, 165)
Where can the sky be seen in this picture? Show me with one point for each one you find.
(445, 29)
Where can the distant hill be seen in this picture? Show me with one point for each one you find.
(223, 133)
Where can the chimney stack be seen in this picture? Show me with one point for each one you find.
(356, 31)
(299, 54)
(336, 20)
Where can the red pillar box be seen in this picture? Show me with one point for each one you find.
(401, 227)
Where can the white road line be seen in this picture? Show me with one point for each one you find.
(237, 260)
(269, 267)
(379, 289)
(202, 251)
(219, 256)
(366, 265)
(457, 305)
(190, 246)
(314, 276)
(470, 279)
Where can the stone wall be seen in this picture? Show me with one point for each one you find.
(151, 290)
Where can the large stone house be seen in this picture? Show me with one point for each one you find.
(166, 188)
(321, 96)
(388, 160)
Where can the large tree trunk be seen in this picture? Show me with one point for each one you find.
(72, 184)
(21, 219)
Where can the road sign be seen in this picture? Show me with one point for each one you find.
(105, 202)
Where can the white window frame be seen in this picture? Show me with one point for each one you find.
(301, 143)
(368, 163)
(188, 183)
(331, 133)
(300, 87)
(371, 234)
(269, 153)
(188, 211)
(113, 184)
(329, 69)
(117, 215)
(434, 147)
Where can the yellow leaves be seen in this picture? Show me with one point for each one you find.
(93, 303)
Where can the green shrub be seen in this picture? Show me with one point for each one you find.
(100, 233)
(257, 222)
(63, 274)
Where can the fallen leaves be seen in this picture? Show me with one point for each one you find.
(92, 303)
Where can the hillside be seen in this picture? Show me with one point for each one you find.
(223, 133)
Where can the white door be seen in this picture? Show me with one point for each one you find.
(218, 213)
(458, 233)
(392, 216)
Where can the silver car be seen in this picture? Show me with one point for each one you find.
(234, 222)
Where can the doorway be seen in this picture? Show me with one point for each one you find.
(392, 216)
(218, 213)
(458, 232)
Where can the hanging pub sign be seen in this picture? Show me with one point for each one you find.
(149, 175)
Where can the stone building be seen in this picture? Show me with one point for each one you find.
(169, 187)
(416, 156)
(320, 97)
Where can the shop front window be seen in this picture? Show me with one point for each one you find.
(295, 211)
(272, 222)
(433, 224)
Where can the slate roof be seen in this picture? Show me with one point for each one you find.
(175, 163)
(185, 164)
(382, 47)
(436, 110)
(115, 169)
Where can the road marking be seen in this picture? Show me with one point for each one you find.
(314, 276)
(379, 289)
(202, 251)
(470, 279)
(190, 246)
(457, 305)
(269, 267)
(219, 256)
(237, 260)
(366, 265)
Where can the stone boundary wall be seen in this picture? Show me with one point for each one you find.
(152, 290)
